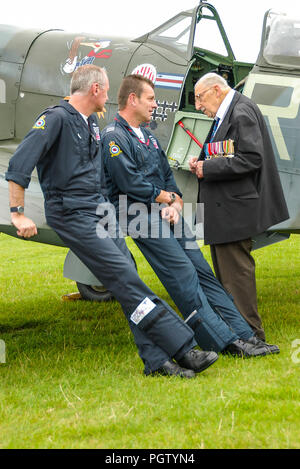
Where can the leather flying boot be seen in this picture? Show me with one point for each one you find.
(170, 368)
(257, 341)
(241, 348)
(197, 360)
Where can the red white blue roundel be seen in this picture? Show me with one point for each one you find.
(40, 124)
(114, 149)
(147, 71)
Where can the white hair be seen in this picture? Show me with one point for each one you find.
(211, 79)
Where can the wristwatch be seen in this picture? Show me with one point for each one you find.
(173, 198)
(18, 209)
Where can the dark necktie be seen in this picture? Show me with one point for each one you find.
(214, 131)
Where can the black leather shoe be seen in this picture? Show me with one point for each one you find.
(170, 368)
(197, 360)
(257, 341)
(240, 348)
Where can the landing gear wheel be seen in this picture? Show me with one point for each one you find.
(93, 293)
(96, 293)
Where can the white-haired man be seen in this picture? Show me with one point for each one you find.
(241, 193)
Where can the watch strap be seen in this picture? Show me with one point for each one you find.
(18, 209)
(173, 198)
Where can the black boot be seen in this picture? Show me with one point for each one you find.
(241, 348)
(170, 368)
(257, 341)
(197, 360)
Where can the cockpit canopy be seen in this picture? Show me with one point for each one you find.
(281, 47)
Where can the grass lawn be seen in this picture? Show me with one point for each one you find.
(73, 379)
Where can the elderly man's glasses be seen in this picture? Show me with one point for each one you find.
(200, 96)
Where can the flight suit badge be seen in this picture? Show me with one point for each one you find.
(40, 124)
(114, 149)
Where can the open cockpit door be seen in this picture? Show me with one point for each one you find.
(209, 34)
(192, 31)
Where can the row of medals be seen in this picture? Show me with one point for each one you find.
(223, 149)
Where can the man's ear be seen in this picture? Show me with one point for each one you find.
(132, 99)
(218, 90)
(95, 88)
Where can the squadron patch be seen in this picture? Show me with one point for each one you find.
(114, 149)
(40, 124)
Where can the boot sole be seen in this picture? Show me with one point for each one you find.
(246, 355)
(206, 364)
(172, 375)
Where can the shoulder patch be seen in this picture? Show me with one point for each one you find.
(109, 129)
(40, 123)
(114, 149)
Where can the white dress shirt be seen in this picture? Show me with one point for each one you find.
(222, 111)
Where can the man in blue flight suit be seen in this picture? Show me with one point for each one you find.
(64, 145)
(137, 167)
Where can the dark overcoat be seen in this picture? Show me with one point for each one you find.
(242, 196)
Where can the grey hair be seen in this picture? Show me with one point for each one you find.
(85, 76)
(211, 79)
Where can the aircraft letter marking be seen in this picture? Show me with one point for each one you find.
(274, 113)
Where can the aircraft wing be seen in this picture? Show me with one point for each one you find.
(34, 202)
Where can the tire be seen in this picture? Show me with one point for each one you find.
(100, 294)
(91, 293)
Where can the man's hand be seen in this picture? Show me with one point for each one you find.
(199, 170)
(26, 228)
(170, 214)
(165, 198)
(193, 164)
(196, 167)
(178, 204)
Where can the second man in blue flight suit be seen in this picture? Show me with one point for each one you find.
(137, 167)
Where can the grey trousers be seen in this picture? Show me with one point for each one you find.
(235, 269)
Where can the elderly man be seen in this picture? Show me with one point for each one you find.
(241, 191)
(64, 144)
(137, 167)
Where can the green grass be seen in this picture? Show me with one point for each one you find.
(73, 379)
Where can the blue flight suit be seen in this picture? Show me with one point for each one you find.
(67, 154)
(140, 170)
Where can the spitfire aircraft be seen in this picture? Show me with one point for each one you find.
(35, 71)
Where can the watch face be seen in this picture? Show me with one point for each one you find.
(20, 209)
